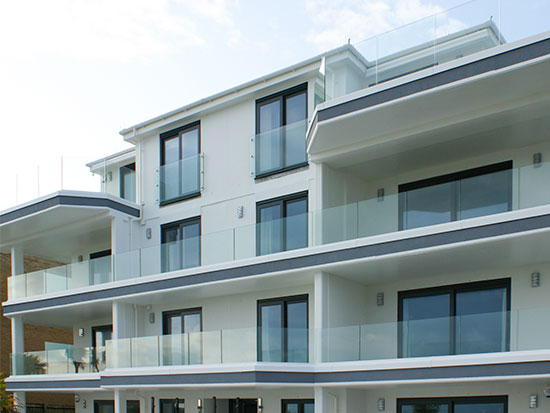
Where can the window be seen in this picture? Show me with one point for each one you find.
(489, 404)
(128, 182)
(298, 406)
(242, 405)
(282, 224)
(283, 329)
(100, 335)
(281, 123)
(104, 406)
(460, 319)
(100, 267)
(468, 194)
(172, 405)
(183, 342)
(181, 244)
(179, 172)
(132, 406)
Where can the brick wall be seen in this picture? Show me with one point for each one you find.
(35, 336)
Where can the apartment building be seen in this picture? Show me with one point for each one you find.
(354, 233)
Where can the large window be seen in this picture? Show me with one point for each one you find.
(281, 123)
(298, 406)
(100, 335)
(460, 319)
(183, 342)
(104, 406)
(283, 329)
(179, 174)
(181, 244)
(467, 194)
(282, 224)
(128, 182)
(172, 405)
(489, 404)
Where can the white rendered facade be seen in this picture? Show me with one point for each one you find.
(351, 276)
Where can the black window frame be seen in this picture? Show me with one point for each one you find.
(452, 401)
(452, 290)
(179, 224)
(280, 96)
(182, 312)
(282, 201)
(171, 134)
(453, 178)
(122, 172)
(299, 402)
(99, 402)
(284, 301)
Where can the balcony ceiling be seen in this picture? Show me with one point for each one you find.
(498, 110)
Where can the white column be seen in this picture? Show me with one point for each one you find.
(20, 401)
(18, 347)
(325, 402)
(17, 261)
(119, 402)
(320, 312)
(123, 320)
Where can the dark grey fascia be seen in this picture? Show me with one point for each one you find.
(68, 200)
(53, 384)
(496, 62)
(295, 263)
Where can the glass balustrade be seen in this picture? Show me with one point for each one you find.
(483, 333)
(432, 41)
(66, 360)
(180, 179)
(488, 194)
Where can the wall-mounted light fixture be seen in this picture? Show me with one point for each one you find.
(533, 401)
(109, 176)
(152, 318)
(537, 158)
(535, 279)
(260, 405)
(381, 404)
(199, 405)
(380, 194)
(240, 211)
(80, 332)
(80, 258)
(77, 398)
(148, 233)
(379, 299)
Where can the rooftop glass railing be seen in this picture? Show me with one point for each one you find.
(67, 360)
(180, 179)
(448, 35)
(278, 149)
(488, 194)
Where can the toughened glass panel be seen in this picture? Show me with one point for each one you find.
(190, 143)
(424, 408)
(428, 206)
(100, 270)
(173, 349)
(270, 230)
(481, 321)
(171, 150)
(297, 334)
(291, 407)
(479, 408)
(295, 139)
(485, 195)
(296, 224)
(271, 333)
(426, 326)
(191, 245)
(268, 156)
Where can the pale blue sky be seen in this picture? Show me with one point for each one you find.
(73, 73)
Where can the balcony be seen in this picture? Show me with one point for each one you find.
(505, 332)
(524, 187)
(65, 359)
(181, 179)
(279, 149)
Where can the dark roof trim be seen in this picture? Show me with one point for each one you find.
(292, 377)
(391, 247)
(68, 200)
(496, 62)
